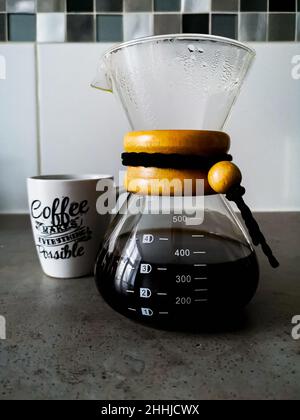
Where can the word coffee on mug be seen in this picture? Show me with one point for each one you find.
(67, 229)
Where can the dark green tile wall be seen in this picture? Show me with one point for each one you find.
(109, 20)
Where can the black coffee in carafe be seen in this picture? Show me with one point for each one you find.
(175, 275)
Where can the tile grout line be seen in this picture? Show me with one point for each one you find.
(95, 21)
(210, 14)
(163, 12)
(239, 19)
(66, 22)
(297, 21)
(268, 19)
(37, 105)
(172, 12)
(6, 26)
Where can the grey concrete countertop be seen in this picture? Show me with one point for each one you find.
(64, 342)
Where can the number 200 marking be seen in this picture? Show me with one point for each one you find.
(183, 300)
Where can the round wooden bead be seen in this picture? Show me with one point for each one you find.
(223, 176)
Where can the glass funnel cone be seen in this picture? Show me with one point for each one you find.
(176, 81)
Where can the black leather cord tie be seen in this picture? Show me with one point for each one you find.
(172, 160)
(236, 195)
(178, 161)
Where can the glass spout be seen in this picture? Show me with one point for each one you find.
(102, 80)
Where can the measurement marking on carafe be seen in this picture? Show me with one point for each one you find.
(201, 300)
(200, 265)
(201, 290)
(162, 269)
(197, 236)
(199, 252)
(162, 294)
(130, 291)
(163, 313)
(163, 239)
(200, 278)
(132, 309)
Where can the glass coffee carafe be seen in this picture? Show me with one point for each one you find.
(168, 259)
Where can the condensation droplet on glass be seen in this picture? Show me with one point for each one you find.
(200, 50)
(191, 48)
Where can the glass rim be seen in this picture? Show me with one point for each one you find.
(195, 37)
(70, 177)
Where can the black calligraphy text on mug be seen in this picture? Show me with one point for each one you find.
(66, 228)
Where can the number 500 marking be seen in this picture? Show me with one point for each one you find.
(179, 219)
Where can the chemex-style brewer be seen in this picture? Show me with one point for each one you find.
(166, 261)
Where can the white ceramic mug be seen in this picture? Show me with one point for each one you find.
(67, 229)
